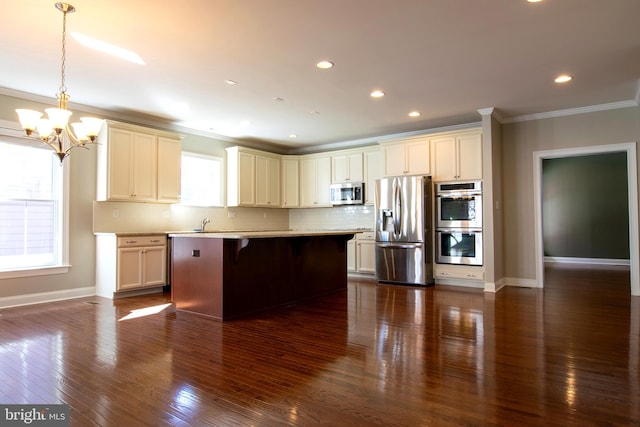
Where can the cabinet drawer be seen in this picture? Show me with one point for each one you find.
(461, 274)
(367, 235)
(134, 241)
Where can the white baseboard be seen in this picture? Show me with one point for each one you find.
(42, 297)
(592, 261)
(494, 287)
(520, 282)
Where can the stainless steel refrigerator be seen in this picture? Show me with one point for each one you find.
(404, 230)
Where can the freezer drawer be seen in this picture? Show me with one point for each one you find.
(403, 263)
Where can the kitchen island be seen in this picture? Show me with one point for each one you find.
(231, 274)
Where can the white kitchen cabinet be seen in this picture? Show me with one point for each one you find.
(127, 168)
(361, 253)
(372, 172)
(407, 157)
(457, 156)
(130, 263)
(253, 178)
(169, 169)
(267, 181)
(346, 167)
(290, 181)
(315, 180)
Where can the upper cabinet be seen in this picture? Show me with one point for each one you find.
(347, 166)
(253, 178)
(406, 157)
(267, 180)
(457, 156)
(290, 181)
(372, 172)
(315, 180)
(128, 165)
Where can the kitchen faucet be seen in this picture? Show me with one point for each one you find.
(205, 221)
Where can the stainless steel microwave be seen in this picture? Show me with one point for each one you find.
(347, 193)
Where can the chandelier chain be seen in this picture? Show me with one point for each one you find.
(63, 88)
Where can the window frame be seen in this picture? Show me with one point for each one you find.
(11, 132)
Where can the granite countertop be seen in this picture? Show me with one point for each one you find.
(265, 234)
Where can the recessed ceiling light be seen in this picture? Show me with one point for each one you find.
(108, 48)
(292, 135)
(414, 114)
(563, 78)
(231, 82)
(315, 112)
(534, 1)
(246, 123)
(324, 65)
(377, 94)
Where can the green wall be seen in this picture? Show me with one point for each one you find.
(585, 206)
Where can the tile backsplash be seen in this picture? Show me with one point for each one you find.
(111, 217)
(338, 217)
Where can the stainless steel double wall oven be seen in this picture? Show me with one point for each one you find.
(458, 236)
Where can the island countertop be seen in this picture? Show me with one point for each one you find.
(264, 234)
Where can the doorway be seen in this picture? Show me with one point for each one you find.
(630, 150)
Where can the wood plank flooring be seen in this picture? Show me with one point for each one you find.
(373, 355)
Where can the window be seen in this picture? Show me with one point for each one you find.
(202, 182)
(31, 208)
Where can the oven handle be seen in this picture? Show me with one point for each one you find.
(459, 230)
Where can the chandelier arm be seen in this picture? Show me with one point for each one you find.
(73, 139)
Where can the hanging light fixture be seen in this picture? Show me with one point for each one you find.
(54, 130)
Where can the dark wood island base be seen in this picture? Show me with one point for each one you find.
(226, 275)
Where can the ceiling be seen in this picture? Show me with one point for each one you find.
(444, 58)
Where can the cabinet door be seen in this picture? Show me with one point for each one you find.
(372, 172)
(323, 173)
(308, 180)
(290, 182)
(154, 263)
(394, 160)
(129, 274)
(273, 172)
(366, 262)
(339, 169)
(356, 168)
(169, 159)
(144, 172)
(267, 181)
(418, 157)
(470, 156)
(120, 164)
(247, 179)
(444, 158)
(351, 255)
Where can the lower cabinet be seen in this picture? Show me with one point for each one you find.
(130, 263)
(459, 275)
(361, 253)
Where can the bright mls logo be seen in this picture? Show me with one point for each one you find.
(34, 415)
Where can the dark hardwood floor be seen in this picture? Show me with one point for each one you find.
(374, 355)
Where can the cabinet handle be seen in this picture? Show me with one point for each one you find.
(131, 241)
(155, 241)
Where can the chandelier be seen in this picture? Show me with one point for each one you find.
(55, 130)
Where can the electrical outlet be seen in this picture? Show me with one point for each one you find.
(231, 214)
(115, 213)
(166, 214)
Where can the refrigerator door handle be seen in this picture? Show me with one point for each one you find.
(397, 202)
(400, 245)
